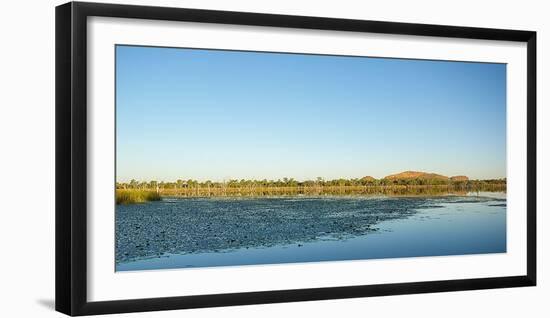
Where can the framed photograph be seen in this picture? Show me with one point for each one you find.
(212, 158)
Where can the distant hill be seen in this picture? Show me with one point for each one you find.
(416, 175)
(459, 178)
(368, 178)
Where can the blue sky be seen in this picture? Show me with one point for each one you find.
(219, 115)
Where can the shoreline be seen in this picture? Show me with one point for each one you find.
(401, 191)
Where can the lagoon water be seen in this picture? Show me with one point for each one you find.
(202, 232)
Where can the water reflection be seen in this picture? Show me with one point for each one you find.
(201, 227)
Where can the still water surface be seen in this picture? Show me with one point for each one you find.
(180, 233)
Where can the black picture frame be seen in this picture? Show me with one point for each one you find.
(71, 157)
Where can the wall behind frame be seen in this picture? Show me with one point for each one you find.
(27, 161)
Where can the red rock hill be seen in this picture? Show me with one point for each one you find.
(416, 175)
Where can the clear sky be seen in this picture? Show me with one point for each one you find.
(219, 115)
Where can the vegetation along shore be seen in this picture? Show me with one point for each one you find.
(408, 183)
(136, 196)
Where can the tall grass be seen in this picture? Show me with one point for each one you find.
(136, 196)
(389, 190)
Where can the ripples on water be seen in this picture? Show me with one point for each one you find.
(194, 225)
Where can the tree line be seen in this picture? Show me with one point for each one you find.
(291, 182)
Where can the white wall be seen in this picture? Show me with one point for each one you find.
(27, 163)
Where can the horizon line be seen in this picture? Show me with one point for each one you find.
(224, 180)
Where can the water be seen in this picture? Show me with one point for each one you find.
(179, 233)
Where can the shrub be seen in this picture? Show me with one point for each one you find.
(136, 196)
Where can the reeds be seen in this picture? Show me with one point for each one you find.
(136, 196)
(388, 190)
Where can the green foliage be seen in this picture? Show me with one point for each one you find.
(136, 196)
(292, 183)
(139, 191)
